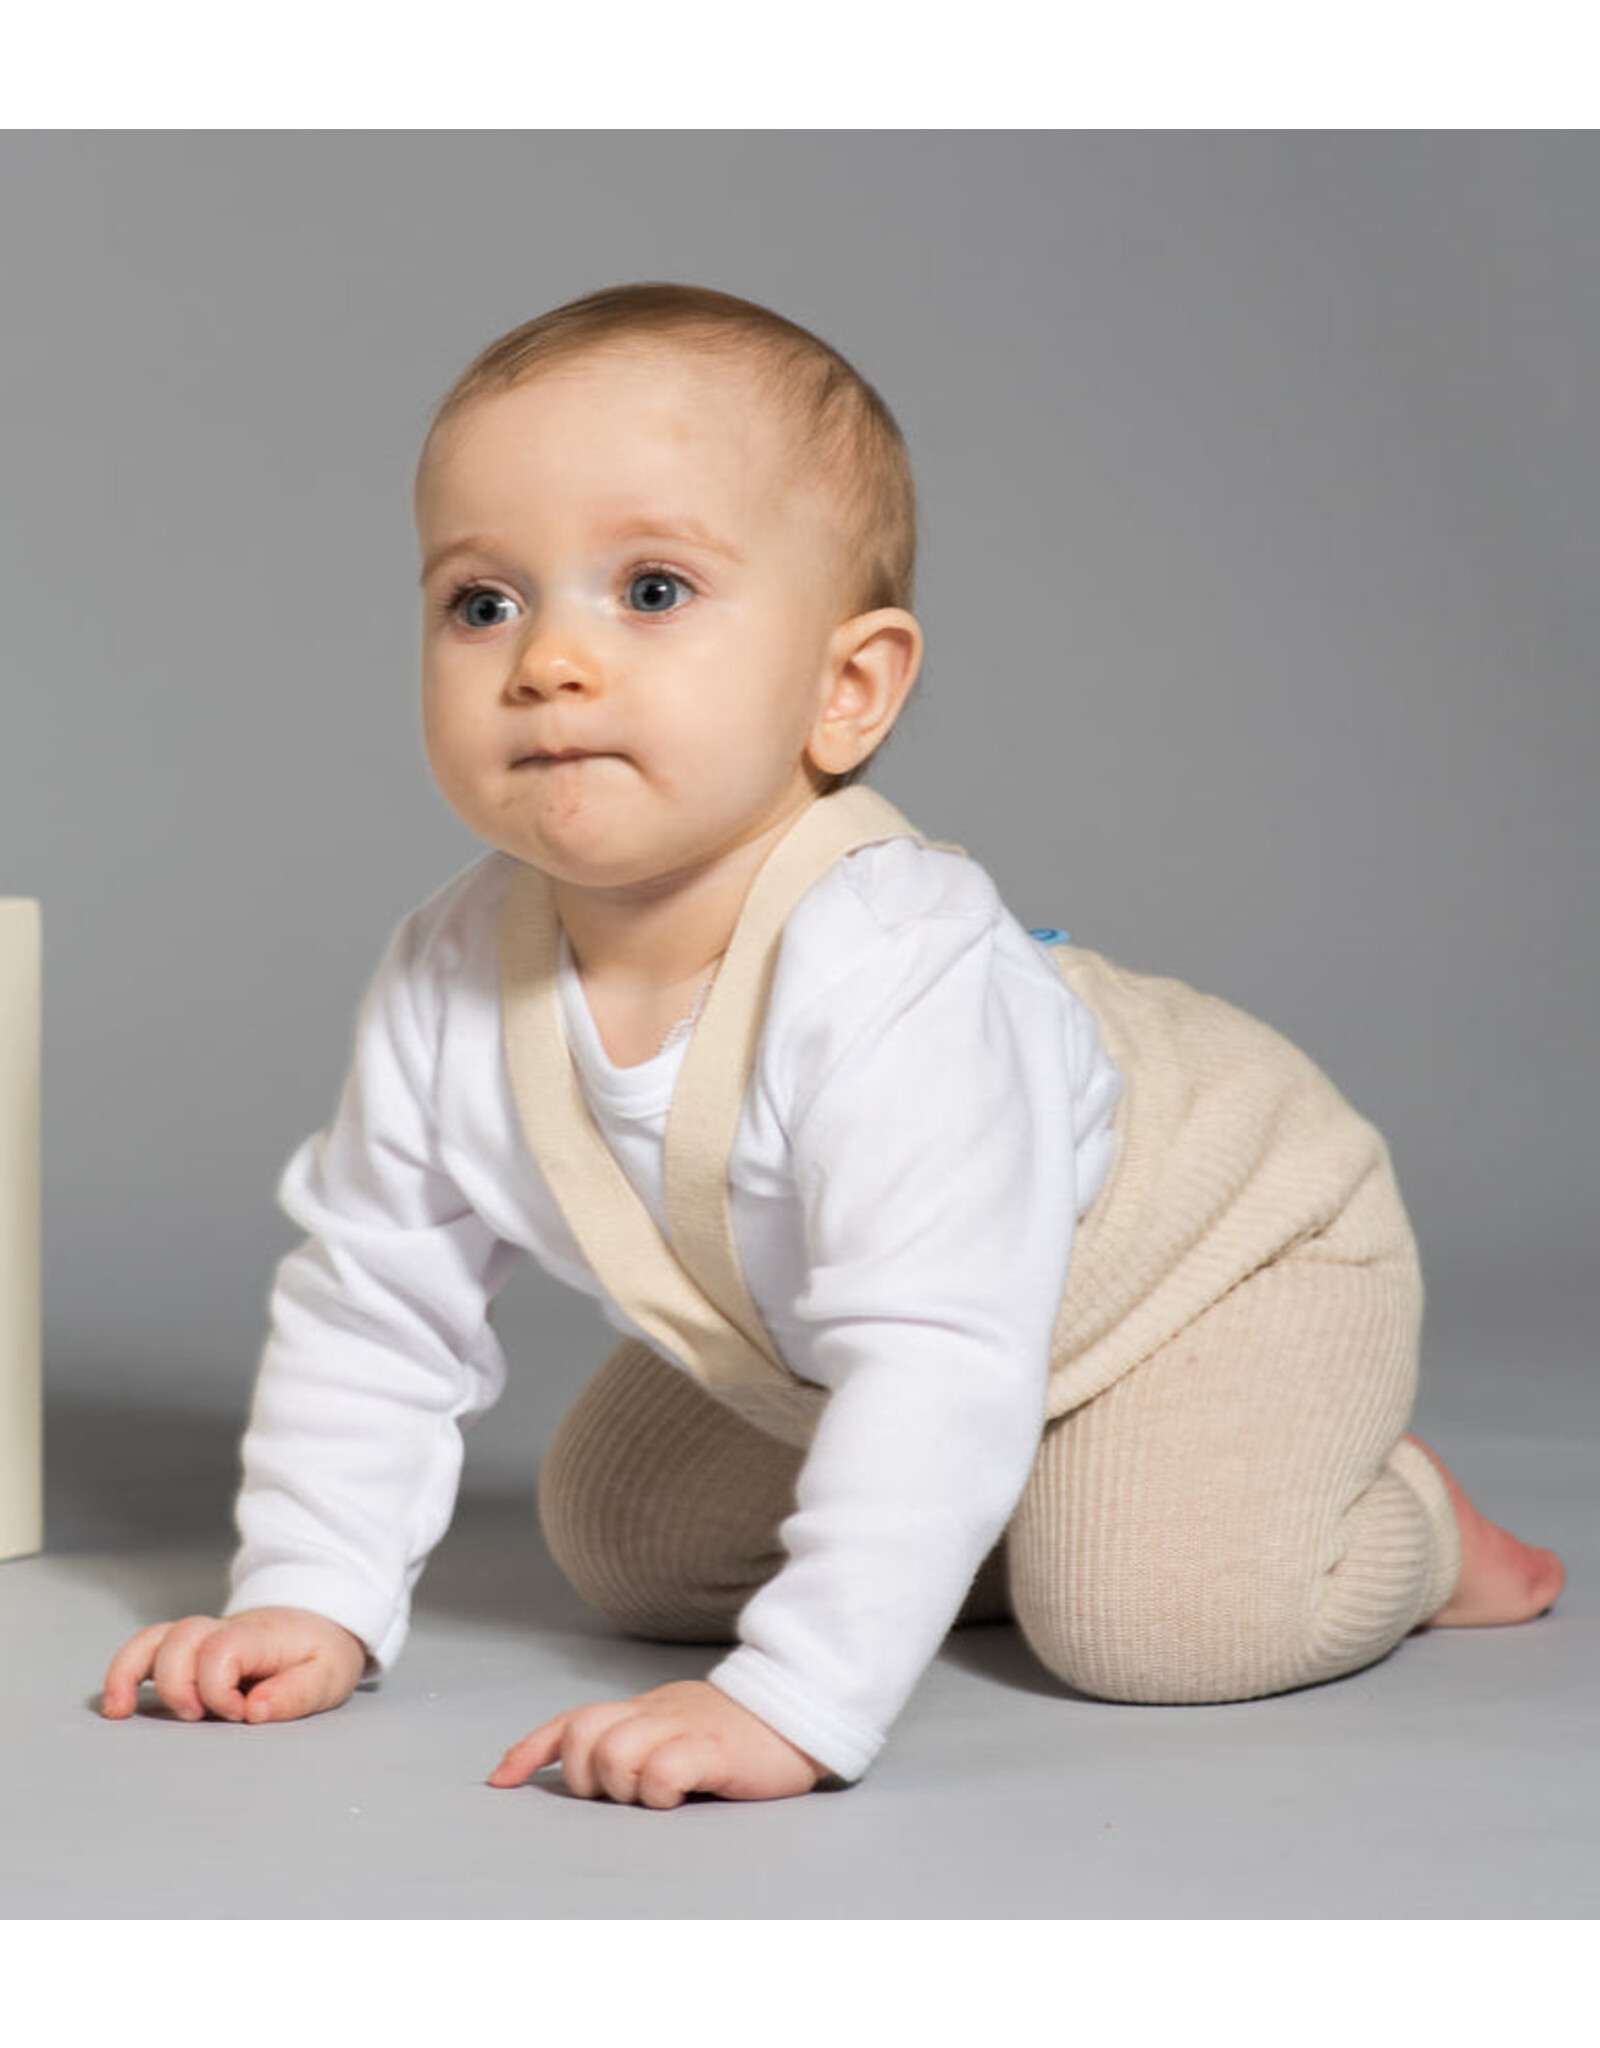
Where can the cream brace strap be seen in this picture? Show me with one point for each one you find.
(689, 1297)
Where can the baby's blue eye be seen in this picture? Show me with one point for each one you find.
(476, 607)
(653, 590)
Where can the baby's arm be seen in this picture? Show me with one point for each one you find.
(267, 1664)
(379, 1351)
(380, 1348)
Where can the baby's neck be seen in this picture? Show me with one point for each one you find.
(636, 1021)
(662, 934)
(643, 958)
(653, 943)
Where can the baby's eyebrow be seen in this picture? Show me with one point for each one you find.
(471, 545)
(673, 526)
(664, 526)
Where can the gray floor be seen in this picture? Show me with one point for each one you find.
(1456, 1779)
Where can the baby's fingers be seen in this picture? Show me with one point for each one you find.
(674, 1770)
(128, 1670)
(246, 1651)
(298, 1689)
(165, 1654)
(572, 1737)
(532, 1753)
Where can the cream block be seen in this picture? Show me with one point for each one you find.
(21, 1387)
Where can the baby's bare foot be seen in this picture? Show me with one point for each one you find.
(1502, 1580)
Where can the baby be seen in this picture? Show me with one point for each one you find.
(959, 1273)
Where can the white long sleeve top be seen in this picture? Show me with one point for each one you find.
(929, 1115)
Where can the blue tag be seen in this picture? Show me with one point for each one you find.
(1047, 935)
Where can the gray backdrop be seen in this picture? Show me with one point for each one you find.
(1260, 486)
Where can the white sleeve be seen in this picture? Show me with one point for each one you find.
(380, 1348)
(934, 1144)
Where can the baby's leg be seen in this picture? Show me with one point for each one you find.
(1502, 1579)
(660, 1505)
(1241, 1513)
(664, 1509)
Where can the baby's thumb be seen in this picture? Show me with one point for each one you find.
(286, 1696)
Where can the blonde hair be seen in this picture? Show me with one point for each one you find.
(845, 433)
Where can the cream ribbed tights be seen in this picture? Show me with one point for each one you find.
(1234, 1516)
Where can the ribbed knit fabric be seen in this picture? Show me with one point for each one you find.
(660, 1505)
(1232, 1146)
(1238, 1515)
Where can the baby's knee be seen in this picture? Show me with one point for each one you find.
(1140, 1642)
(646, 1528)
(613, 1548)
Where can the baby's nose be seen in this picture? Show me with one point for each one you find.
(551, 677)
(556, 657)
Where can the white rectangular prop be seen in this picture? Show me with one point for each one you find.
(21, 1389)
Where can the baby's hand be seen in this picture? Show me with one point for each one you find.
(659, 1747)
(293, 1662)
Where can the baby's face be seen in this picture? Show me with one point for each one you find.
(630, 596)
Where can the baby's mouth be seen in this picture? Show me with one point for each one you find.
(552, 757)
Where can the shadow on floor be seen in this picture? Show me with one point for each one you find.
(995, 1650)
(122, 1476)
(141, 1496)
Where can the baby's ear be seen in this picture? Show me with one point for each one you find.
(873, 662)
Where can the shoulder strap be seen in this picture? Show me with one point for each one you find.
(689, 1297)
(709, 1096)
